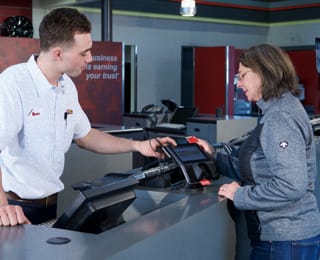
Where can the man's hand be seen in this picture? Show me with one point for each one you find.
(153, 147)
(12, 215)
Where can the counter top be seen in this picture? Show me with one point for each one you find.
(212, 119)
(116, 128)
(158, 225)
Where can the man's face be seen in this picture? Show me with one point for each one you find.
(76, 57)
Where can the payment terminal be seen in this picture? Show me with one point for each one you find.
(197, 167)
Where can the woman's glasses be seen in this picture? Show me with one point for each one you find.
(240, 76)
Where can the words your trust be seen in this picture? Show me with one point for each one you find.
(102, 76)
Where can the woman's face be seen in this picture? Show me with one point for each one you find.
(250, 83)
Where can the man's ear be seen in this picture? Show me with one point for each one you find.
(57, 53)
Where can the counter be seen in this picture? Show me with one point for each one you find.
(220, 129)
(82, 165)
(159, 225)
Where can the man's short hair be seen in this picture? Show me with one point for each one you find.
(59, 27)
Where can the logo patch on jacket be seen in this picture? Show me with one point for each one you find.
(283, 144)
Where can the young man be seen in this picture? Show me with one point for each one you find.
(34, 137)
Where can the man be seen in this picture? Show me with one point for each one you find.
(40, 116)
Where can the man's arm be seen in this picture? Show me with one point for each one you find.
(10, 215)
(101, 142)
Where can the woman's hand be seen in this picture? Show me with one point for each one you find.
(228, 190)
(205, 146)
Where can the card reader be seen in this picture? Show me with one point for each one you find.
(194, 163)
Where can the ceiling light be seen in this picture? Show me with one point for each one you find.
(188, 8)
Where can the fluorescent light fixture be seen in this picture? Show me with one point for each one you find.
(188, 8)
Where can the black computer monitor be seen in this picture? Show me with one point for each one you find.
(181, 114)
(99, 207)
(170, 104)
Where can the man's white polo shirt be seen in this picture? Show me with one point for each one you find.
(38, 122)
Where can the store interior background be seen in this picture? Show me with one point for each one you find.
(160, 36)
(158, 39)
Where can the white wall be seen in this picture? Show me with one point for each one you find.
(159, 43)
(298, 34)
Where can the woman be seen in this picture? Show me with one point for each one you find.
(277, 162)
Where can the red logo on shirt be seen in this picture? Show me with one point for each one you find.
(35, 113)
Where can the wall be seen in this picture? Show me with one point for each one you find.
(15, 8)
(159, 49)
(294, 34)
(305, 65)
(159, 43)
(159, 46)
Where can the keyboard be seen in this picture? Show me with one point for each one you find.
(171, 125)
(48, 224)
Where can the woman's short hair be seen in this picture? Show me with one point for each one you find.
(275, 69)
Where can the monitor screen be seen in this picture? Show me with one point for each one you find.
(194, 163)
(99, 207)
(189, 153)
(181, 114)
